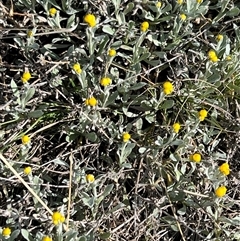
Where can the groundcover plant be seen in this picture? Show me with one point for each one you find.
(119, 120)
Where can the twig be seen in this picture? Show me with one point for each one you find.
(195, 193)
(24, 183)
(174, 214)
(69, 190)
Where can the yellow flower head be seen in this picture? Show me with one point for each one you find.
(90, 178)
(229, 58)
(112, 52)
(159, 4)
(221, 191)
(6, 232)
(144, 26)
(77, 68)
(90, 20)
(29, 33)
(219, 37)
(26, 139)
(105, 81)
(176, 127)
(180, 2)
(46, 238)
(168, 88)
(27, 170)
(215, 59)
(199, 1)
(91, 101)
(57, 218)
(26, 77)
(126, 136)
(224, 169)
(211, 53)
(212, 56)
(202, 114)
(183, 17)
(52, 12)
(196, 157)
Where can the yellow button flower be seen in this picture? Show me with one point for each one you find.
(6, 232)
(126, 136)
(29, 33)
(77, 68)
(196, 157)
(212, 56)
(219, 37)
(46, 238)
(168, 88)
(159, 4)
(105, 81)
(90, 178)
(199, 1)
(221, 191)
(144, 26)
(176, 127)
(26, 77)
(91, 101)
(211, 53)
(229, 58)
(202, 114)
(183, 17)
(52, 12)
(90, 20)
(215, 59)
(224, 169)
(112, 52)
(26, 139)
(57, 218)
(27, 170)
(180, 2)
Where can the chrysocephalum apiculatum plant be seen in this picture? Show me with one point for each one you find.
(120, 109)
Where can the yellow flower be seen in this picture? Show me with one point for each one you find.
(112, 52)
(126, 136)
(213, 56)
(219, 37)
(221, 191)
(176, 127)
(26, 77)
(199, 1)
(91, 101)
(77, 68)
(27, 170)
(211, 53)
(105, 81)
(90, 20)
(224, 169)
(158, 4)
(25, 139)
(6, 232)
(202, 114)
(228, 57)
(196, 157)
(90, 178)
(29, 33)
(52, 12)
(180, 2)
(183, 17)
(57, 218)
(46, 238)
(168, 88)
(215, 59)
(144, 26)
